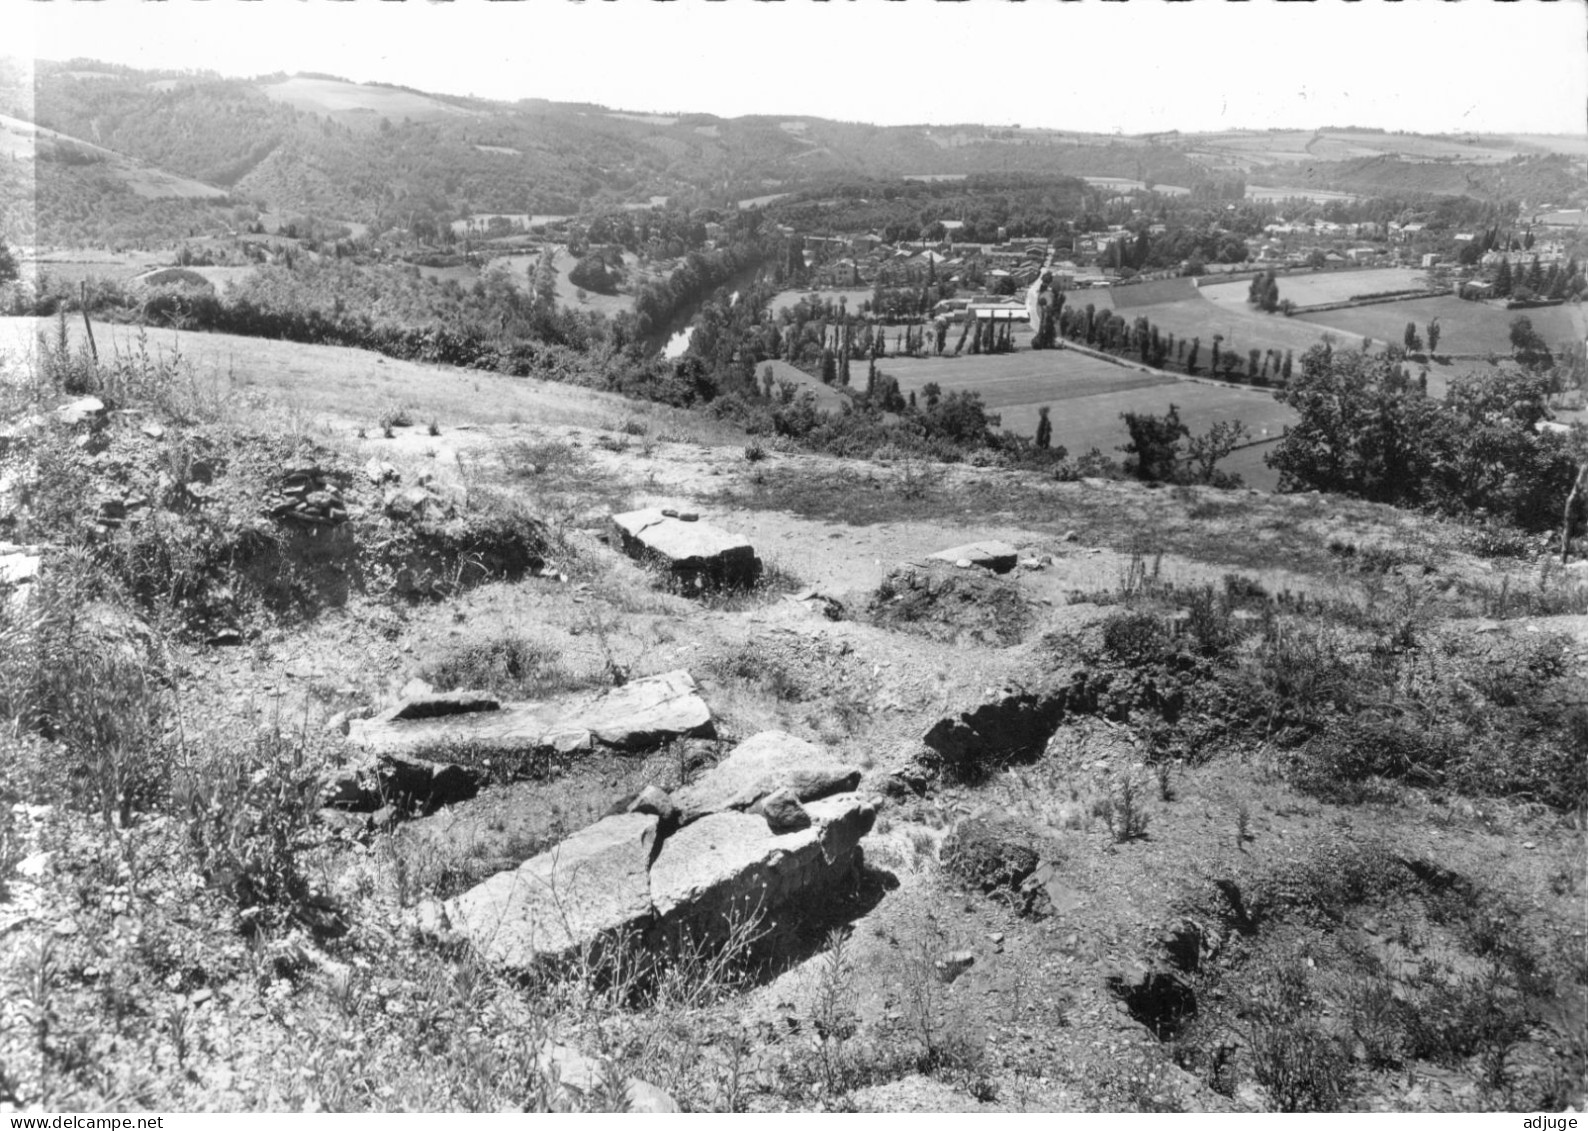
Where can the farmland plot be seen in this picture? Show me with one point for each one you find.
(1321, 196)
(1087, 397)
(1465, 327)
(1242, 327)
(1327, 286)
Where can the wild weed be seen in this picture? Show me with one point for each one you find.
(1123, 809)
(250, 810)
(833, 1010)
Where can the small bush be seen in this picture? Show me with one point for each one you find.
(755, 666)
(1134, 638)
(1123, 809)
(1301, 1067)
(542, 457)
(396, 416)
(508, 664)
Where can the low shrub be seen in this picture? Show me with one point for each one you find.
(508, 664)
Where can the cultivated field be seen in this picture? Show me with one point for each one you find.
(81, 264)
(761, 201)
(1326, 286)
(1195, 316)
(1465, 327)
(350, 102)
(1256, 192)
(1265, 147)
(1087, 396)
(1126, 183)
(1150, 294)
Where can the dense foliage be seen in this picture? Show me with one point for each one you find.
(1366, 430)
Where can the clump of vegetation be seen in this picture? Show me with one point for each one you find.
(1352, 965)
(1162, 449)
(1365, 430)
(508, 664)
(87, 678)
(1353, 697)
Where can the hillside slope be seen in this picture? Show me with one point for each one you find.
(371, 153)
(1213, 801)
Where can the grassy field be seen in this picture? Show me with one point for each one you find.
(1151, 294)
(1325, 286)
(1128, 183)
(80, 264)
(828, 399)
(1465, 327)
(327, 387)
(1087, 396)
(762, 201)
(357, 104)
(1195, 316)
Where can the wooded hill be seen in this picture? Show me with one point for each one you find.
(384, 155)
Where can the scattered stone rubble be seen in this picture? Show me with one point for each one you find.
(307, 498)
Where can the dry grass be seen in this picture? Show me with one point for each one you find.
(344, 389)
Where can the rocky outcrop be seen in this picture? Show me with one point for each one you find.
(641, 714)
(1011, 721)
(696, 553)
(1000, 557)
(665, 869)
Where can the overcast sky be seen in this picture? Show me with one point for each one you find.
(1426, 65)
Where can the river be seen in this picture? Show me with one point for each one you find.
(672, 340)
